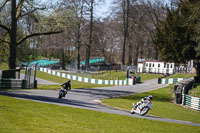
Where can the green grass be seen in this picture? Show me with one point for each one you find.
(147, 76)
(104, 75)
(48, 87)
(19, 116)
(3, 66)
(162, 105)
(111, 75)
(195, 91)
(182, 75)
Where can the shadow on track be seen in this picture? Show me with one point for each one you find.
(49, 99)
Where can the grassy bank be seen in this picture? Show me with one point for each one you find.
(182, 75)
(3, 66)
(75, 84)
(147, 76)
(195, 92)
(18, 116)
(162, 105)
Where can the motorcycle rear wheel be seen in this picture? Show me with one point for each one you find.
(144, 111)
(59, 97)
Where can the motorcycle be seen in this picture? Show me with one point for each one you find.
(65, 88)
(62, 93)
(142, 108)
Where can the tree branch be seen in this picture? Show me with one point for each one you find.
(37, 34)
(19, 8)
(4, 5)
(4, 41)
(5, 28)
(28, 13)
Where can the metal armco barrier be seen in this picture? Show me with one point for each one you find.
(170, 80)
(88, 80)
(191, 102)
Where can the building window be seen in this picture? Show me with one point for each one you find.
(167, 65)
(149, 64)
(153, 65)
(171, 66)
(158, 65)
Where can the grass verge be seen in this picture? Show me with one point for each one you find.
(3, 66)
(162, 105)
(147, 76)
(57, 79)
(17, 116)
(195, 92)
(182, 75)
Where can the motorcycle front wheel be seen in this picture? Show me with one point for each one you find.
(144, 111)
(132, 110)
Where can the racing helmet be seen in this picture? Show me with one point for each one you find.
(150, 97)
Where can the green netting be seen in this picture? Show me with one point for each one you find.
(42, 62)
(93, 61)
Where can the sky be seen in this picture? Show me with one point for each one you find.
(100, 11)
(103, 10)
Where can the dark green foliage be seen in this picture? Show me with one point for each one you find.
(24, 52)
(3, 52)
(174, 36)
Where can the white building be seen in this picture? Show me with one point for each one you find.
(156, 67)
(161, 67)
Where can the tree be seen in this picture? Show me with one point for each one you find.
(174, 35)
(18, 13)
(125, 9)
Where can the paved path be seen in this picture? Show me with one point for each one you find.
(90, 98)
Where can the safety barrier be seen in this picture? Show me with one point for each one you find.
(169, 81)
(12, 83)
(88, 80)
(191, 102)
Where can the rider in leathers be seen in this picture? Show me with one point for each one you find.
(149, 98)
(67, 86)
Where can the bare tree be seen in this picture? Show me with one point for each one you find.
(18, 12)
(125, 8)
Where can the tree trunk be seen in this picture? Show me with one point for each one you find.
(130, 55)
(79, 37)
(156, 56)
(197, 78)
(87, 57)
(78, 59)
(63, 58)
(13, 42)
(88, 49)
(136, 58)
(125, 7)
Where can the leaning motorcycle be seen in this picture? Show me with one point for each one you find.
(142, 108)
(62, 93)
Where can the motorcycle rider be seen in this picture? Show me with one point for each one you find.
(149, 98)
(67, 85)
